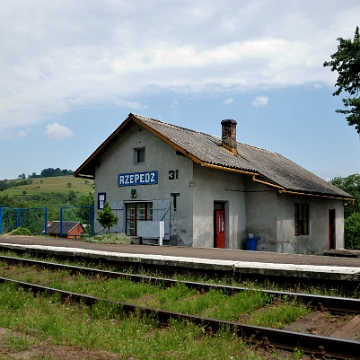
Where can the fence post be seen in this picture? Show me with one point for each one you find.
(18, 220)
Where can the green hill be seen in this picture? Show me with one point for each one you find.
(59, 184)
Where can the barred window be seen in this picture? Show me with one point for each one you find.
(301, 219)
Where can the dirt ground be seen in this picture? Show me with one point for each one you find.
(47, 351)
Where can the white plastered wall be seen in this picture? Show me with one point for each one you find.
(223, 186)
(159, 156)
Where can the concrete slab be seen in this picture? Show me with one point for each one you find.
(304, 324)
(350, 331)
(343, 253)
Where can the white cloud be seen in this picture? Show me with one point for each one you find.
(22, 134)
(64, 55)
(228, 101)
(260, 101)
(58, 132)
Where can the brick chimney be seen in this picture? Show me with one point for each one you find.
(229, 135)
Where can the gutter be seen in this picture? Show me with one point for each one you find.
(282, 190)
(352, 200)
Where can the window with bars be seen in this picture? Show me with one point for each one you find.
(301, 219)
(135, 212)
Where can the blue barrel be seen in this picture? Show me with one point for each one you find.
(250, 243)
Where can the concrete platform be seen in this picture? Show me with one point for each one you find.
(343, 253)
(235, 261)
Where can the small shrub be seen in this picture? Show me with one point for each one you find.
(352, 231)
(110, 238)
(21, 231)
(107, 218)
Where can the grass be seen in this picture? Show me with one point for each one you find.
(242, 306)
(276, 316)
(16, 342)
(52, 185)
(99, 328)
(103, 328)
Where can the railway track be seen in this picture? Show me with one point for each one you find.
(279, 279)
(317, 346)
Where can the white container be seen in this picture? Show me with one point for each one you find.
(151, 230)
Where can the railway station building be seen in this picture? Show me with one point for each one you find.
(212, 191)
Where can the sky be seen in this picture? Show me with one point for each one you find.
(72, 71)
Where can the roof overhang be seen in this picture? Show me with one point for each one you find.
(87, 169)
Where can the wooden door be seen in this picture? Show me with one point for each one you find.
(220, 229)
(332, 237)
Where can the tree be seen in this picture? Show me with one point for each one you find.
(106, 217)
(346, 61)
(351, 185)
(352, 231)
(72, 196)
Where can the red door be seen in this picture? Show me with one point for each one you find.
(332, 242)
(220, 229)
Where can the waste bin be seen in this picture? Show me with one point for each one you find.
(250, 243)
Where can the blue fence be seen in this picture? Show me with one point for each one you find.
(34, 219)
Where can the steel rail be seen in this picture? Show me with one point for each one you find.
(330, 303)
(319, 302)
(318, 346)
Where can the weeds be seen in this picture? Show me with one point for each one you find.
(21, 231)
(98, 328)
(109, 238)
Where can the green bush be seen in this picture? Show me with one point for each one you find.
(106, 217)
(110, 238)
(352, 231)
(21, 231)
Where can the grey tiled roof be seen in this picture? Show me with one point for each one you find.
(271, 167)
(206, 149)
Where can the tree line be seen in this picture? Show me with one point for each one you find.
(5, 184)
(49, 172)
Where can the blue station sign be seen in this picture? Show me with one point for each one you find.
(138, 178)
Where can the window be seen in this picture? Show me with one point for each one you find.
(301, 219)
(101, 200)
(139, 156)
(135, 212)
